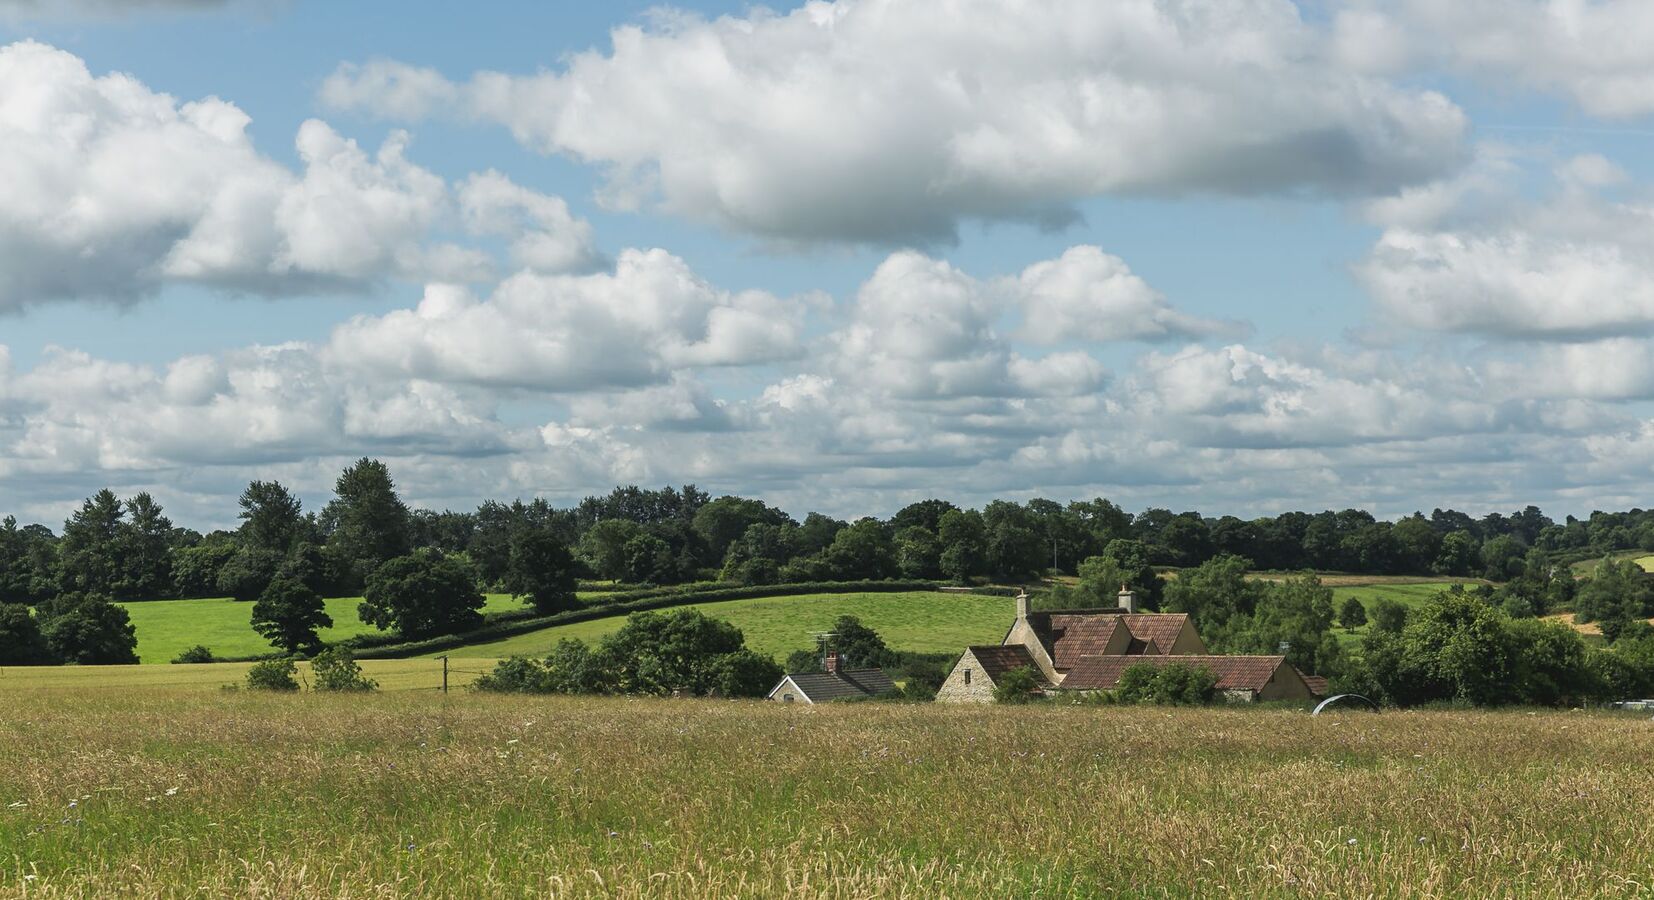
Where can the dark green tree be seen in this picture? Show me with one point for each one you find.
(88, 629)
(662, 653)
(367, 522)
(145, 552)
(860, 645)
(1352, 614)
(271, 517)
(89, 553)
(288, 615)
(423, 594)
(21, 641)
(541, 570)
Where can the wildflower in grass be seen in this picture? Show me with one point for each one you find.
(172, 792)
(1351, 842)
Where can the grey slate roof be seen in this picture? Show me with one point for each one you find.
(820, 687)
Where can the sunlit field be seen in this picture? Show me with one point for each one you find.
(919, 621)
(166, 628)
(167, 793)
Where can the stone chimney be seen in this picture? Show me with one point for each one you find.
(830, 662)
(1022, 606)
(1128, 600)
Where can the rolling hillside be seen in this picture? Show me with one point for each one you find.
(923, 621)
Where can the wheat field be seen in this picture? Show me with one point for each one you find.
(190, 794)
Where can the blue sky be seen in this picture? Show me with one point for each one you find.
(1235, 258)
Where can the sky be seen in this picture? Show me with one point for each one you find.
(1240, 257)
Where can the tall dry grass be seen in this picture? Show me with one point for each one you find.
(236, 795)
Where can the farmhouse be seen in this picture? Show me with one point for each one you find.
(835, 683)
(1088, 650)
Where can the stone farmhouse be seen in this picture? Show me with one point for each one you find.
(1088, 650)
(835, 683)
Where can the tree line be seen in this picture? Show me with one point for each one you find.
(423, 572)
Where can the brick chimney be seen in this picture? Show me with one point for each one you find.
(1128, 600)
(1022, 606)
(830, 661)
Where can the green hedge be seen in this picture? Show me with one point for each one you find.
(505, 625)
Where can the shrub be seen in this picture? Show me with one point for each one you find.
(1017, 686)
(924, 678)
(516, 675)
(335, 669)
(197, 654)
(745, 674)
(273, 675)
(1176, 684)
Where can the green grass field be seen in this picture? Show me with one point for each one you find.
(1408, 595)
(168, 627)
(166, 793)
(1585, 567)
(920, 621)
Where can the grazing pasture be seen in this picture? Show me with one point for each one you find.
(173, 793)
(919, 621)
(1407, 593)
(168, 627)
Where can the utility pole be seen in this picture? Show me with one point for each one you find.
(445, 674)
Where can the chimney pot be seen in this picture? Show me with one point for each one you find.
(1127, 600)
(831, 662)
(1022, 605)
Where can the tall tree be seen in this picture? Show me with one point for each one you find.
(271, 517)
(145, 551)
(541, 570)
(89, 553)
(368, 522)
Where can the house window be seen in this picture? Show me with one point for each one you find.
(967, 676)
(786, 698)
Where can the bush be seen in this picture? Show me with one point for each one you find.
(197, 654)
(1176, 684)
(516, 675)
(273, 675)
(745, 674)
(1017, 686)
(335, 669)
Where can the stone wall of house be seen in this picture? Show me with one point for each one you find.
(955, 688)
(1286, 685)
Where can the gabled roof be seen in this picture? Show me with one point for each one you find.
(1317, 684)
(1161, 628)
(820, 687)
(1070, 635)
(998, 659)
(1235, 673)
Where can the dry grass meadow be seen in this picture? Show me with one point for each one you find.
(176, 792)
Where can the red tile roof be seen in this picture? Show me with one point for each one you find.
(1235, 673)
(1072, 635)
(1161, 628)
(996, 659)
(1317, 684)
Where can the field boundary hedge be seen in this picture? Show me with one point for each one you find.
(511, 624)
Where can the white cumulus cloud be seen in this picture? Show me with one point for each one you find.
(891, 121)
